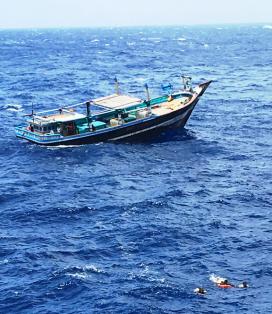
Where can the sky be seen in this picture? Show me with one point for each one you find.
(97, 13)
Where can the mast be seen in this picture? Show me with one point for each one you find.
(32, 112)
(147, 92)
(148, 99)
(88, 110)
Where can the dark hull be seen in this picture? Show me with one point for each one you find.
(142, 128)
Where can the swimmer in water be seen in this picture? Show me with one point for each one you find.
(221, 282)
(200, 291)
(225, 284)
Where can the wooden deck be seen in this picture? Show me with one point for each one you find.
(169, 106)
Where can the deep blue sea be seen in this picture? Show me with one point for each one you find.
(136, 227)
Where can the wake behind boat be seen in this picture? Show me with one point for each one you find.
(119, 117)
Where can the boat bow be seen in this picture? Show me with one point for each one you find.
(201, 88)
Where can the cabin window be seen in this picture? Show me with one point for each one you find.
(52, 128)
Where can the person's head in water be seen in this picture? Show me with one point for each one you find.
(200, 290)
(244, 284)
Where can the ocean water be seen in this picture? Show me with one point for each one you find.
(136, 227)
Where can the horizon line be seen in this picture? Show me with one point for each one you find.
(135, 26)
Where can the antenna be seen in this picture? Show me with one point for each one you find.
(117, 89)
(32, 111)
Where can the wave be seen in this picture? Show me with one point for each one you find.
(5, 261)
(216, 279)
(154, 39)
(78, 275)
(13, 107)
(82, 272)
(61, 147)
(133, 226)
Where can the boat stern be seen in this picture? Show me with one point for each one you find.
(42, 139)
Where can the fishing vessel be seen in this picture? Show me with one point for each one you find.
(116, 117)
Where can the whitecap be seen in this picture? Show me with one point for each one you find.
(145, 268)
(181, 39)
(267, 27)
(13, 42)
(216, 279)
(61, 147)
(82, 272)
(13, 107)
(140, 79)
(95, 40)
(92, 268)
(4, 261)
(78, 275)
(12, 110)
(154, 38)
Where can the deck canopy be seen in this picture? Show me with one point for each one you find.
(117, 101)
(64, 116)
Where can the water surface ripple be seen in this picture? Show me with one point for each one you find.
(135, 227)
